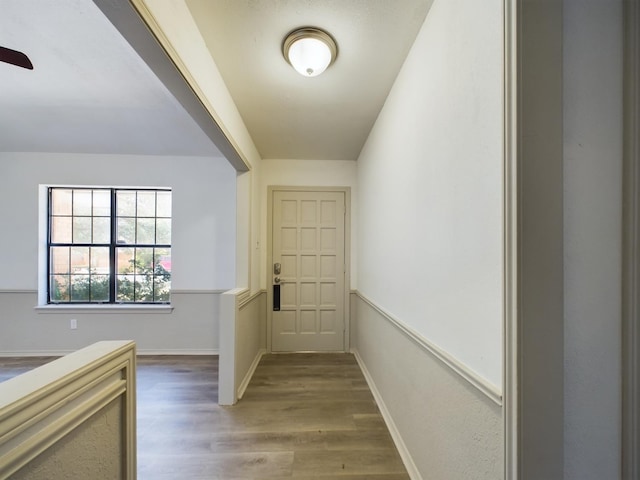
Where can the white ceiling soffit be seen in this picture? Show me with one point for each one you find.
(324, 117)
(89, 91)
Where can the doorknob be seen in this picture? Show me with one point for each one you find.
(276, 280)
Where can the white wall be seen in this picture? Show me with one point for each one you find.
(178, 28)
(444, 428)
(428, 319)
(256, 240)
(314, 173)
(593, 193)
(203, 249)
(430, 183)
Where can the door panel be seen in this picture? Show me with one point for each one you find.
(308, 242)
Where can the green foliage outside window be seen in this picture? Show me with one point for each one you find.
(144, 281)
(149, 284)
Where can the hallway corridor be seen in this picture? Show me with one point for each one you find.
(303, 416)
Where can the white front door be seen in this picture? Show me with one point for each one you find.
(308, 251)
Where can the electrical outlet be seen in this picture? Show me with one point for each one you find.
(73, 324)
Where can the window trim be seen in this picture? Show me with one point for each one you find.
(95, 306)
(76, 308)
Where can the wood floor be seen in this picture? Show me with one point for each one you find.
(303, 416)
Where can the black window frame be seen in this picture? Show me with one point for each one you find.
(113, 244)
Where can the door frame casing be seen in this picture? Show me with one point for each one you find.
(347, 253)
(533, 335)
(510, 374)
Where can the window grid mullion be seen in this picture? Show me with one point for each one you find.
(90, 275)
(135, 259)
(112, 246)
(135, 248)
(155, 245)
(112, 249)
(49, 229)
(73, 197)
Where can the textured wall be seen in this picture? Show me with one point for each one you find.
(451, 429)
(192, 327)
(251, 334)
(92, 451)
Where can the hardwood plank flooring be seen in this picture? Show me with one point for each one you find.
(13, 366)
(303, 416)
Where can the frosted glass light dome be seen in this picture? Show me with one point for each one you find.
(309, 51)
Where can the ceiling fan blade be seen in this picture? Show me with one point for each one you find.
(15, 58)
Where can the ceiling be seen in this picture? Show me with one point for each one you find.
(90, 92)
(324, 117)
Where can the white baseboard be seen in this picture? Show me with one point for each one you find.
(60, 353)
(212, 351)
(35, 353)
(409, 464)
(247, 378)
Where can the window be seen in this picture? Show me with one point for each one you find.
(108, 245)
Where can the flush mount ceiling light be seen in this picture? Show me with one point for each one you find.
(309, 50)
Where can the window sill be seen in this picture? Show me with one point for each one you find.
(104, 308)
